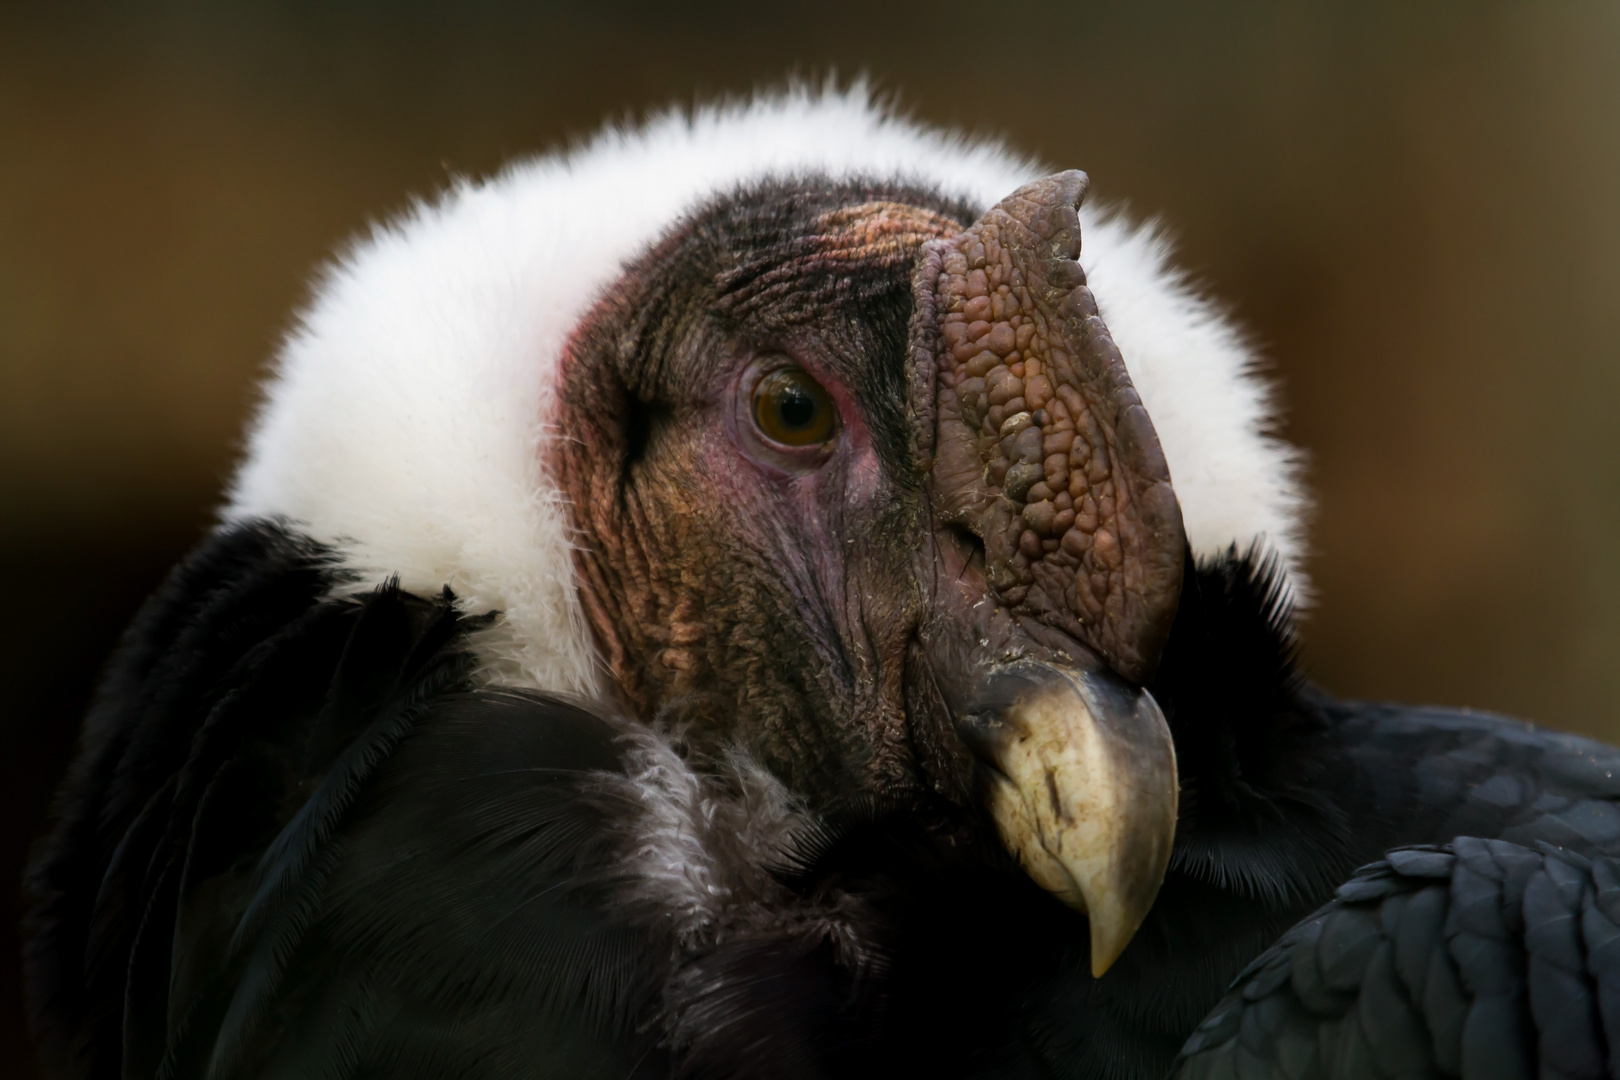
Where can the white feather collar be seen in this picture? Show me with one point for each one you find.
(406, 417)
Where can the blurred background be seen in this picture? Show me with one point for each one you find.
(1415, 209)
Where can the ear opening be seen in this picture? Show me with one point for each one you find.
(641, 422)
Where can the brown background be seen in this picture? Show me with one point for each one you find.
(1415, 208)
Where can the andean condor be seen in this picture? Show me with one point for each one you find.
(741, 599)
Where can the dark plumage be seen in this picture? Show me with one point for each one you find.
(301, 838)
(326, 823)
(1478, 958)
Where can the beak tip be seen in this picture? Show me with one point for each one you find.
(1108, 941)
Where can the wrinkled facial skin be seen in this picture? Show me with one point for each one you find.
(952, 586)
(740, 590)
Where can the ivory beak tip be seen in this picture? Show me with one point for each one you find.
(1087, 798)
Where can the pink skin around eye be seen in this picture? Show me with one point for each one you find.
(861, 464)
(816, 482)
(850, 455)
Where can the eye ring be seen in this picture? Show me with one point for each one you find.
(792, 409)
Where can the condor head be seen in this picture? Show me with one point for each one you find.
(860, 484)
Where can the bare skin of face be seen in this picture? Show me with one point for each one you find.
(862, 487)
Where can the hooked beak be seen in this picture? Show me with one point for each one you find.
(1034, 440)
(1081, 777)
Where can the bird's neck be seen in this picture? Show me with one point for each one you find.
(1259, 816)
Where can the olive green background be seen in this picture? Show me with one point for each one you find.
(1414, 208)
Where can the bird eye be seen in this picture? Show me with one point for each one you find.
(793, 409)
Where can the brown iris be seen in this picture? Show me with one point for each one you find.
(793, 409)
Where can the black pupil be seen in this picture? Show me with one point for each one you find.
(796, 407)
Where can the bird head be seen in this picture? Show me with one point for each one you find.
(815, 452)
(862, 485)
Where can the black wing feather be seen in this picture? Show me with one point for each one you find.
(458, 929)
(1483, 958)
(300, 842)
(1442, 961)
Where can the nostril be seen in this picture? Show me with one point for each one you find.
(967, 542)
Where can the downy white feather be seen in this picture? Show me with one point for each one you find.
(406, 418)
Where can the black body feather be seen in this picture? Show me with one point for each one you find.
(300, 840)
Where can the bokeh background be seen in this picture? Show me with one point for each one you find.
(1415, 209)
